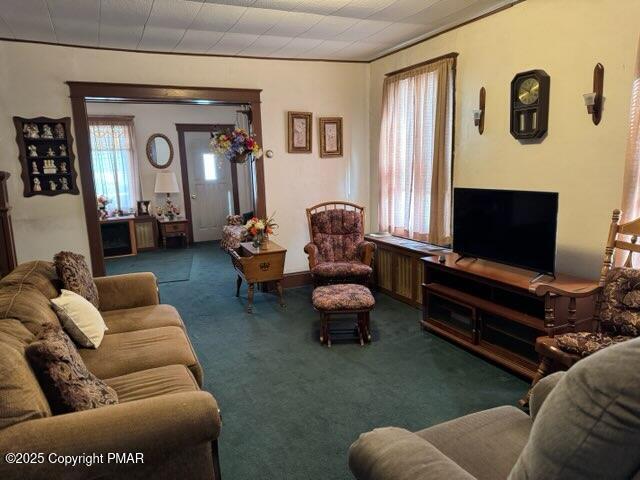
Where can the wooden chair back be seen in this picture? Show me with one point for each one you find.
(333, 205)
(616, 243)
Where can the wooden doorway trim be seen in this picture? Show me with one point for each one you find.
(184, 168)
(81, 92)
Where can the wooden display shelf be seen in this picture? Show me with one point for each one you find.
(495, 310)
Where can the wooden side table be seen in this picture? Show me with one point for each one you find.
(178, 227)
(257, 265)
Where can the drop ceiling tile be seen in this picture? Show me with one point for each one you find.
(328, 47)
(217, 17)
(397, 33)
(198, 41)
(362, 8)
(172, 14)
(440, 10)
(402, 9)
(76, 22)
(329, 27)
(296, 48)
(28, 19)
(122, 22)
(293, 24)
(241, 3)
(265, 45)
(320, 7)
(232, 43)
(257, 21)
(160, 38)
(360, 51)
(362, 29)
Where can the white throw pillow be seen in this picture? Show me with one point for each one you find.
(81, 320)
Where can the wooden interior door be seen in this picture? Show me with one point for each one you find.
(210, 187)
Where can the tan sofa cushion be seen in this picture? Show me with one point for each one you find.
(38, 274)
(128, 352)
(27, 304)
(153, 382)
(485, 444)
(21, 397)
(141, 318)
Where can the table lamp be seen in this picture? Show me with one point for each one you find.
(166, 183)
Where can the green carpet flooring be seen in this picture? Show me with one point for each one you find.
(291, 407)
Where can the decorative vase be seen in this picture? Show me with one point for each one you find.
(240, 158)
(257, 239)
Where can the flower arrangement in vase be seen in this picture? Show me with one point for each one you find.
(260, 229)
(236, 146)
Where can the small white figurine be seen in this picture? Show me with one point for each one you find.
(34, 168)
(51, 153)
(46, 131)
(65, 185)
(63, 167)
(36, 185)
(33, 151)
(52, 185)
(49, 166)
(30, 130)
(63, 150)
(58, 131)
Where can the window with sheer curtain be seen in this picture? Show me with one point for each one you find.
(415, 157)
(113, 160)
(631, 188)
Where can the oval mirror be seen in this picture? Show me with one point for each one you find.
(159, 150)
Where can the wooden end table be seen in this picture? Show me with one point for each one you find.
(257, 265)
(177, 227)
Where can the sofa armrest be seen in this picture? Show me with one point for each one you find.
(311, 249)
(541, 391)
(127, 291)
(366, 250)
(154, 427)
(392, 453)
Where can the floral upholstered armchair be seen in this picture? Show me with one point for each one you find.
(338, 252)
(233, 233)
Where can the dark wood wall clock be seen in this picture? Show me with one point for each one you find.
(530, 104)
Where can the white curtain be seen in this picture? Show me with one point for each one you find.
(114, 162)
(631, 187)
(416, 152)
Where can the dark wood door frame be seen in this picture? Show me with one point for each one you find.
(184, 167)
(81, 92)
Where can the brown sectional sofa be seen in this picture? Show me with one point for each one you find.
(146, 356)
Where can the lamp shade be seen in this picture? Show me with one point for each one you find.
(166, 183)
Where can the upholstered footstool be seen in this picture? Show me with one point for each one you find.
(343, 299)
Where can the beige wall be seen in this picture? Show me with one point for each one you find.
(32, 83)
(582, 162)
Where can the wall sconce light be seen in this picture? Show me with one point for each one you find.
(593, 100)
(478, 114)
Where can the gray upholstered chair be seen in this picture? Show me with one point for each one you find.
(584, 423)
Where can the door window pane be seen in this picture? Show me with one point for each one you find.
(209, 161)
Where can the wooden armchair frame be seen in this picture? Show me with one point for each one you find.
(551, 356)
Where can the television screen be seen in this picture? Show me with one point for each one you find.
(513, 227)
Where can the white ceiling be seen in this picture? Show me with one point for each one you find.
(316, 29)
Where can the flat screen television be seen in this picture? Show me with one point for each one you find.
(507, 226)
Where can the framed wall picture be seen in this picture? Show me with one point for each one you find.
(143, 208)
(331, 137)
(299, 132)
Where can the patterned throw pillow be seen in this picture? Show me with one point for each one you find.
(67, 383)
(76, 276)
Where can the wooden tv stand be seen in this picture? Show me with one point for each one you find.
(493, 309)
